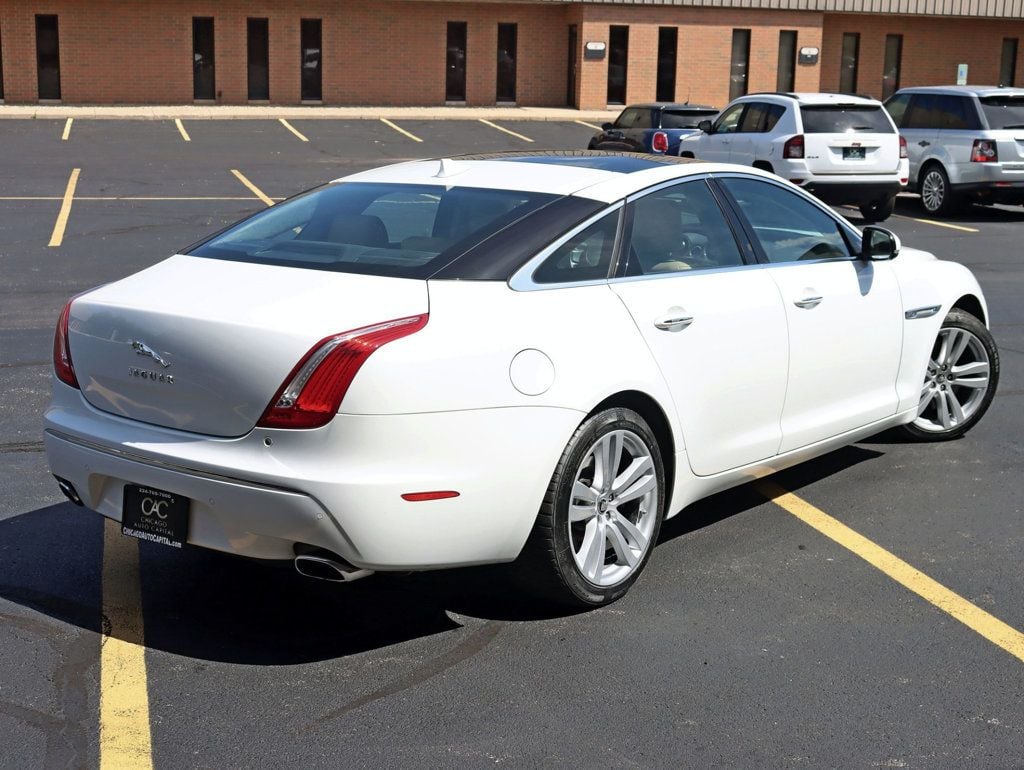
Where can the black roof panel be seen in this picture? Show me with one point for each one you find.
(620, 162)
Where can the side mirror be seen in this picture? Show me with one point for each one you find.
(879, 243)
(705, 126)
(607, 126)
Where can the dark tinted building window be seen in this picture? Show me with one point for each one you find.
(258, 32)
(455, 63)
(203, 74)
(618, 56)
(1008, 63)
(785, 79)
(312, 60)
(48, 57)
(668, 41)
(740, 63)
(891, 69)
(506, 87)
(1, 67)
(848, 63)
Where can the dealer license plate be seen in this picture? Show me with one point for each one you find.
(155, 515)
(854, 153)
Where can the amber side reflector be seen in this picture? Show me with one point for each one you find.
(419, 497)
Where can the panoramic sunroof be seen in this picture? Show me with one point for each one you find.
(620, 162)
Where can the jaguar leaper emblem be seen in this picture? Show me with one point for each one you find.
(142, 349)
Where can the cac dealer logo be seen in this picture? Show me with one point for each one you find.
(151, 507)
(142, 349)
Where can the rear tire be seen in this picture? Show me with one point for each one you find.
(596, 529)
(960, 382)
(878, 211)
(937, 197)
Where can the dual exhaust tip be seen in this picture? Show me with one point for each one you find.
(321, 564)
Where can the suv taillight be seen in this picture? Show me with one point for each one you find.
(659, 142)
(793, 148)
(903, 148)
(312, 393)
(62, 365)
(984, 151)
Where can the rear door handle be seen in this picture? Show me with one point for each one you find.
(808, 302)
(923, 143)
(673, 321)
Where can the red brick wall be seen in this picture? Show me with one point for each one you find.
(703, 54)
(932, 49)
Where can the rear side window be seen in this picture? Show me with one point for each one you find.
(1003, 111)
(941, 111)
(586, 256)
(688, 119)
(405, 231)
(760, 117)
(844, 118)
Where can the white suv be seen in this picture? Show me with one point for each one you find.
(842, 148)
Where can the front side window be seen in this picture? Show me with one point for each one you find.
(845, 118)
(678, 229)
(586, 256)
(729, 122)
(761, 117)
(789, 228)
(406, 231)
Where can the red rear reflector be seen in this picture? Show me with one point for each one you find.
(903, 148)
(419, 497)
(793, 148)
(62, 365)
(984, 151)
(797, 181)
(312, 393)
(659, 142)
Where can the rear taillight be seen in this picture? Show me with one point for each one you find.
(659, 142)
(903, 148)
(62, 365)
(984, 151)
(793, 148)
(312, 394)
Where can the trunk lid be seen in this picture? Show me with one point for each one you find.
(202, 345)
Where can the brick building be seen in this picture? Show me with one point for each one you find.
(537, 52)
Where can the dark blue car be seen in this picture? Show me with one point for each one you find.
(653, 128)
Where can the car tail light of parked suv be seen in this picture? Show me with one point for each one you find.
(984, 151)
(903, 148)
(659, 142)
(793, 148)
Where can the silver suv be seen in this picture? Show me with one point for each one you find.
(966, 143)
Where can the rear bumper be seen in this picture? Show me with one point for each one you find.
(845, 191)
(338, 487)
(992, 192)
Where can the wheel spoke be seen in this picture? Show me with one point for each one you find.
(592, 549)
(927, 396)
(622, 549)
(636, 538)
(581, 491)
(633, 471)
(638, 489)
(955, 410)
(972, 375)
(581, 513)
(944, 414)
(958, 347)
(945, 339)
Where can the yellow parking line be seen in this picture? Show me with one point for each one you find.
(507, 131)
(972, 616)
(255, 190)
(125, 740)
(67, 129)
(57, 237)
(181, 130)
(588, 125)
(291, 128)
(939, 224)
(400, 130)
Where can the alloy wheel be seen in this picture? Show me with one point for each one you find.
(956, 382)
(613, 508)
(933, 190)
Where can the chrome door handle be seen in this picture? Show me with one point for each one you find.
(673, 322)
(808, 302)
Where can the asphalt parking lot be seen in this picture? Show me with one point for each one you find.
(752, 639)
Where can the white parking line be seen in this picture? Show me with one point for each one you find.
(292, 128)
(400, 130)
(507, 131)
(588, 125)
(181, 130)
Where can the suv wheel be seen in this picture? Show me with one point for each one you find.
(878, 211)
(936, 195)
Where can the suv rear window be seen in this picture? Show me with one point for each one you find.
(1003, 111)
(405, 231)
(843, 118)
(687, 119)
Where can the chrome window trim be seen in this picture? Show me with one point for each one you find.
(522, 279)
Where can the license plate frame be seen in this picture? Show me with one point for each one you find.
(155, 515)
(855, 153)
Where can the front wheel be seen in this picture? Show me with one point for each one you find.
(960, 382)
(878, 211)
(601, 515)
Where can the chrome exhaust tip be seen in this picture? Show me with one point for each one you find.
(69, 490)
(321, 564)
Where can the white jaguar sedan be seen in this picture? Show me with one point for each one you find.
(530, 356)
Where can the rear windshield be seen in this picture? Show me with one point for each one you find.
(846, 118)
(1003, 111)
(687, 119)
(404, 231)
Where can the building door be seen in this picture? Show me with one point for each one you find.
(506, 86)
(259, 59)
(618, 58)
(48, 57)
(455, 63)
(740, 66)
(668, 40)
(312, 60)
(203, 74)
(572, 66)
